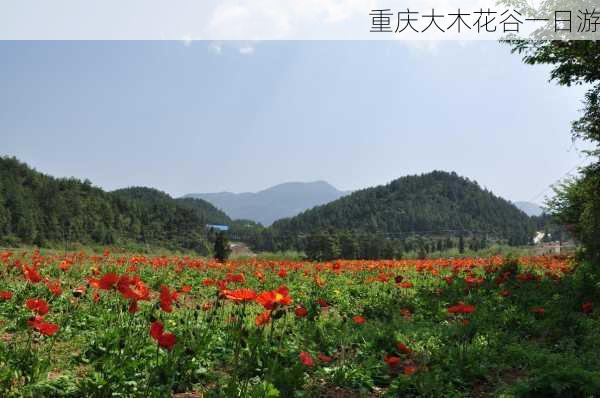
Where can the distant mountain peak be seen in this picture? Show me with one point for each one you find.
(529, 208)
(270, 204)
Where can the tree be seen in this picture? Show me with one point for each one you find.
(349, 248)
(461, 244)
(577, 202)
(222, 248)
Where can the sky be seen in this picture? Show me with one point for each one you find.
(203, 116)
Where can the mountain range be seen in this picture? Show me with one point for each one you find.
(274, 203)
(531, 209)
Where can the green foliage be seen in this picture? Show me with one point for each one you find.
(434, 203)
(574, 62)
(45, 211)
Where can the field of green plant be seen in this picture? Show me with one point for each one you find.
(115, 325)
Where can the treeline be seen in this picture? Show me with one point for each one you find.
(41, 210)
(328, 245)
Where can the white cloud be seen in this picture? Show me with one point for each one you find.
(246, 50)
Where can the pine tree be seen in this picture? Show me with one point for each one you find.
(222, 249)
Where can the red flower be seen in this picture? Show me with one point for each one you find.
(405, 285)
(31, 274)
(38, 306)
(392, 361)
(358, 319)
(587, 307)
(324, 358)
(505, 293)
(5, 295)
(167, 298)
(185, 289)
(272, 299)
(235, 278)
(263, 318)
(133, 307)
(45, 328)
(306, 359)
(282, 273)
(240, 295)
(156, 330)
(54, 287)
(301, 312)
(167, 340)
(403, 348)
(164, 340)
(538, 310)
(322, 303)
(409, 369)
(65, 265)
(461, 308)
(108, 281)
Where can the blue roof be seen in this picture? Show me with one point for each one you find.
(218, 227)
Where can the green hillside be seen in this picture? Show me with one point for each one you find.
(433, 203)
(39, 209)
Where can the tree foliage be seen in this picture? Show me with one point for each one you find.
(577, 200)
(436, 203)
(39, 209)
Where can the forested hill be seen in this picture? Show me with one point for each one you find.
(42, 210)
(428, 203)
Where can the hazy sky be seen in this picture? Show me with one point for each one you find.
(202, 117)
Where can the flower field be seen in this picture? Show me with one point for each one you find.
(79, 325)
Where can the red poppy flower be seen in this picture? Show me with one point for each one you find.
(301, 312)
(235, 278)
(31, 274)
(5, 295)
(167, 298)
(322, 303)
(306, 359)
(38, 306)
(392, 360)
(405, 285)
(208, 282)
(505, 293)
(240, 295)
(164, 340)
(405, 312)
(156, 330)
(324, 358)
(45, 328)
(133, 307)
(65, 265)
(185, 289)
(409, 369)
(167, 340)
(263, 318)
(538, 310)
(108, 281)
(403, 348)
(271, 299)
(587, 307)
(54, 287)
(358, 319)
(461, 308)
